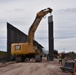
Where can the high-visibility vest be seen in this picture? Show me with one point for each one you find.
(60, 58)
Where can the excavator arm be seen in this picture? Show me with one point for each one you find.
(35, 24)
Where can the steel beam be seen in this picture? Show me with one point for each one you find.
(50, 38)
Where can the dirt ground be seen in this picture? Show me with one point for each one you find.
(32, 68)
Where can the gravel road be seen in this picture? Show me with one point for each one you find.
(31, 68)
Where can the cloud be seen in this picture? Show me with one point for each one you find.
(69, 10)
(7, 1)
(65, 23)
(18, 10)
(66, 45)
(21, 14)
(3, 43)
(66, 11)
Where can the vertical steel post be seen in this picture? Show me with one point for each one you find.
(51, 39)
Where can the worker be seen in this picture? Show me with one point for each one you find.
(47, 57)
(60, 60)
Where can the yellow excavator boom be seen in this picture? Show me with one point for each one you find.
(36, 22)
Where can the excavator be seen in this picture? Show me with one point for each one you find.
(21, 51)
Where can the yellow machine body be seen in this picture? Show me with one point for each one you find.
(22, 48)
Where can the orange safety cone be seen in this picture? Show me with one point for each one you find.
(74, 68)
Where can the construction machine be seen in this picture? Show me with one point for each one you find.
(20, 51)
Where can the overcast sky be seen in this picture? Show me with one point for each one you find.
(21, 14)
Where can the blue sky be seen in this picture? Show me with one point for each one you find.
(21, 14)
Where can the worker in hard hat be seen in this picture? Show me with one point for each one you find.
(60, 60)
